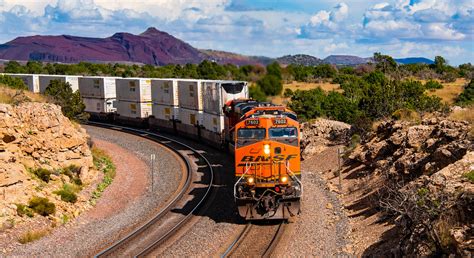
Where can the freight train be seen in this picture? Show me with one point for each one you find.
(264, 138)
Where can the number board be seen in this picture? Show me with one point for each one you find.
(279, 121)
(252, 122)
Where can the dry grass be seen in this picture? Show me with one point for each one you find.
(7, 94)
(450, 91)
(326, 86)
(31, 235)
(466, 114)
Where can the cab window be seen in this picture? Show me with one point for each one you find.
(287, 135)
(247, 136)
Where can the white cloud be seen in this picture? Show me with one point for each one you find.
(324, 22)
(419, 20)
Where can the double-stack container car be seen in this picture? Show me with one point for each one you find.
(215, 95)
(190, 107)
(30, 80)
(45, 80)
(164, 93)
(99, 95)
(134, 102)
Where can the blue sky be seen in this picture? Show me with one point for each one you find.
(400, 28)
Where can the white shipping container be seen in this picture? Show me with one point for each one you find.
(165, 112)
(165, 91)
(30, 80)
(133, 89)
(134, 109)
(213, 123)
(97, 87)
(44, 81)
(217, 93)
(95, 105)
(190, 94)
(190, 117)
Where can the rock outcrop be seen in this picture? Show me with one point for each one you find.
(425, 183)
(322, 133)
(37, 135)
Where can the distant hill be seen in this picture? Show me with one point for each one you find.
(306, 60)
(224, 57)
(150, 47)
(414, 60)
(346, 60)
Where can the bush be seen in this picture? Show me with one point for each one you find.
(271, 85)
(73, 173)
(67, 193)
(432, 84)
(467, 96)
(470, 176)
(406, 115)
(103, 163)
(22, 210)
(287, 93)
(31, 236)
(70, 102)
(257, 94)
(42, 206)
(42, 174)
(14, 83)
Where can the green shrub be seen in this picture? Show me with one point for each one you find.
(257, 94)
(103, 163)
(470, 176)
(42, 206)
(432, 84)
(73, 172)
(467, 96)
(14, 83)
(71, 102)
(287, 93)
(22, 210)
(43, 174)
(67, 193)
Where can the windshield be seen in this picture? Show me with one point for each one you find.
(246, 136)
(287, 135)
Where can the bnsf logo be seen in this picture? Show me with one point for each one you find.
(263, 158)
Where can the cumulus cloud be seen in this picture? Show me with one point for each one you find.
(324, 22)
(419, 20)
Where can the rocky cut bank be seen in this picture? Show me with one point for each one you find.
(42, 155)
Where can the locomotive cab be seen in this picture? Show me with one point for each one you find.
(267, 164)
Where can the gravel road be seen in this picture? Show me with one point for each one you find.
(125, 203)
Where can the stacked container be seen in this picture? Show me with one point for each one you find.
(190, 101)
(215, 95)
(134, 97)
(30, 80)
(164, 93)
(98, 93)
(45, 80)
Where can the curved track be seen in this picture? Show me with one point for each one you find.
(256, 240)
(166, 222)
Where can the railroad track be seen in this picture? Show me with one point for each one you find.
(164, 223)
(256, 240)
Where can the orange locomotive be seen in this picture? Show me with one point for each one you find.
(267, 159)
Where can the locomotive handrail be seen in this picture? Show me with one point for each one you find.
(287, 165)
(238, 181)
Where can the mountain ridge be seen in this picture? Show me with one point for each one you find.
(152, 47)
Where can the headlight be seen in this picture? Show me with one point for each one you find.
(266, 149)
(250, 180)
(284, 179)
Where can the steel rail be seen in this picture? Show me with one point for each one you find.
(164, 211)
(268, 249)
